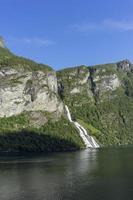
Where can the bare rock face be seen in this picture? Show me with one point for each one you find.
(2, 43)
(108, 83)
(75, 91)
(125, 66)
(28, 91)
(91, 82)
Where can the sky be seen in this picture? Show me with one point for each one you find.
(66, 33)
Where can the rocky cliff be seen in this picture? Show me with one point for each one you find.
(22, 90)
(32, 114)
(96, 82)
(101, 98)
(27, 88)
(32, 99)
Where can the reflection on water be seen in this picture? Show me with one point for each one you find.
(96, 174)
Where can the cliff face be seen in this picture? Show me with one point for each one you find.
(25, 89)
(102, 98)
(31, 111)
(32, 96)
(97, 82)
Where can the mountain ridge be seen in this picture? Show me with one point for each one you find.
(33, 96)
(101, 97)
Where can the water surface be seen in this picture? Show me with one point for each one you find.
(103, 174)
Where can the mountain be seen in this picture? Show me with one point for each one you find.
(31, 111)
(101, 98)
(27, 86)
(33, 98)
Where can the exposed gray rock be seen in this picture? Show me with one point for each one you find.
(75, 91)
(92, 82)
(125, 65)
(2, 43)
(85, 79)
(28, 91)
(107, 83)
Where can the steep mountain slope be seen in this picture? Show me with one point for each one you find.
(33, 97)
(32, 114)
(101, 99)
(26, 86)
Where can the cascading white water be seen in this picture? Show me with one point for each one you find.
(89, 141)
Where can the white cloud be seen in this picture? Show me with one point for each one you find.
(119, 25)
(85, 27)
(107, 24)
(34, 41)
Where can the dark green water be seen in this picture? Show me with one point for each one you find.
(104, 174)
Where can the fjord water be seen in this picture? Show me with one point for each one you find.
(100, 174)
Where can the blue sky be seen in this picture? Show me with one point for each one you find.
(65, 33)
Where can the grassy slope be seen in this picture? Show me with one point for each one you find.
(16, 134)
(9, 59)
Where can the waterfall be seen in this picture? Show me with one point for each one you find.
(89, 141)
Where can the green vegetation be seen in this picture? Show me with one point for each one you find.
(16, 134)
(108, 118)
(26, 132)
(104, 70)
(106, 112)
(110, 122)
(14, 123)
(91, 129)
(72, 78)
(7, 59)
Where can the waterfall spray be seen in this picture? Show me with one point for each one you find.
(89, 141)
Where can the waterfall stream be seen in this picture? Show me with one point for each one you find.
(89, 141)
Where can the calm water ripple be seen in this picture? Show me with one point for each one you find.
(103, 174)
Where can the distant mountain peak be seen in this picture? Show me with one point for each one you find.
(2, 42)
(125, 65)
